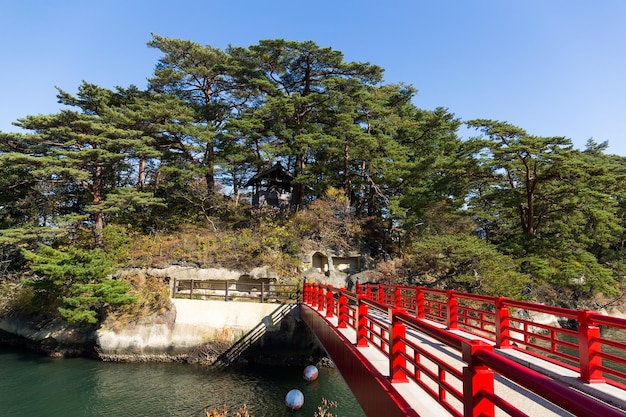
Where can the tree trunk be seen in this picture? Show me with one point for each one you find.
(98, 225)
(141, 181)
(98, 215)
(209, 176)
(347, 183)
(297, 195)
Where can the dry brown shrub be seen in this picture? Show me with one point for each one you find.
(153, 301)
(390, 271)
(243, 412)
(15, 297)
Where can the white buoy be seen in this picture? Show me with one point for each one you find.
(310, 373)
(294, 399)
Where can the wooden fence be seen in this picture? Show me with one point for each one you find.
(263, 292)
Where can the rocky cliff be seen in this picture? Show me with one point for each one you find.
(192, 331)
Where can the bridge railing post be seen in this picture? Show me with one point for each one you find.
(419, 303)
(320, 297)
(368, 290)
(313, 295)
(477, 379)
(453, 310)
(397, 295)
(330, 301)
(191, 290)
(589, 347)
(362, 326)
(397, 348)
(503, 323)
(343, 310)
(305, 292)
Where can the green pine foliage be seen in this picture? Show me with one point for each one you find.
(554, 208)
(468, 264)
(76, 282)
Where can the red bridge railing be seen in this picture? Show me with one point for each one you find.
(579, 344)
(494, 319)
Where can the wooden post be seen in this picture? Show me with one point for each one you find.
(397, 295)
(313, 295)
(397, 349)
(330, 301)
(320, 297)
(262, 292)
(226, 290)
(305, 292)
(343, 310)
(174, 288)
(362, 328)
(191, 290)
(476, 379)
(589, 347)
(419, 303)
(503, 323)
(453, 311)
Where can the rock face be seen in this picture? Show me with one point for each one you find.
(48, 337)
(195, 331)
(185, 273)
(334, 267)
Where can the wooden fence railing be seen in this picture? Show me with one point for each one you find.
(227, 290)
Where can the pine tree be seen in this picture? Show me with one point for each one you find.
(550, 205)
(298, 83)
(76, 283)
(81, 160)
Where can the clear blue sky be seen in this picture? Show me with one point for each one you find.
(551, 67)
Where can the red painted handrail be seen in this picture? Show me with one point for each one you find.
(557, 393)
(357, 310)
(596, 358)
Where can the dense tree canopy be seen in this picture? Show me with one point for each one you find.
(466, 214)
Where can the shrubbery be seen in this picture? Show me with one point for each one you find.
(76, 283)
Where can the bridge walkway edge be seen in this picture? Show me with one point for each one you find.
(372, 389)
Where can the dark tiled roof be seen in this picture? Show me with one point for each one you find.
(277, 173)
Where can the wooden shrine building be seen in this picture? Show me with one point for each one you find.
(272, 187)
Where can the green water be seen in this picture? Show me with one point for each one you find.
(37, 386)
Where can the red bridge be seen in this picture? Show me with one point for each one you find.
(413, 351)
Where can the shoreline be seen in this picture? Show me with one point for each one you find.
(194, 331)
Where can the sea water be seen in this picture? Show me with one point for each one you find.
(37, 386)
